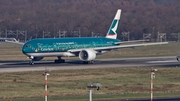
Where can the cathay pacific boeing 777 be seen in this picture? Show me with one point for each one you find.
(86, 48)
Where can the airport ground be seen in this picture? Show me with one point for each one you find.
(67, 82)
(122, 78)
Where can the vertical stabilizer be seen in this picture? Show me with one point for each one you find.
(112, 32)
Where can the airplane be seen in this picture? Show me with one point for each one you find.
(86, 48)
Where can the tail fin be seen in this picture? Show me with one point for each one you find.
(112, 33)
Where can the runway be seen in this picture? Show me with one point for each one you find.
(163, 99)
(16, 66)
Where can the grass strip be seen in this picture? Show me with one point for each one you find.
(68, 83)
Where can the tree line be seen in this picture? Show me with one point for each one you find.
(138, 16)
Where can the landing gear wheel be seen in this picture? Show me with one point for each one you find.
(31, 62)
(92, 62)
(85, 62)
(88, 62)
(59, 61)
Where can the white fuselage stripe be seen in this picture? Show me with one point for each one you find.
(50, 54)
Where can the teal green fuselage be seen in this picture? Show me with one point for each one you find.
(64, 44)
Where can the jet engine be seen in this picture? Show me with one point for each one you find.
(87, 55)
(37, 58)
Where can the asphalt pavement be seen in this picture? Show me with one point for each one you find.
(162, 99)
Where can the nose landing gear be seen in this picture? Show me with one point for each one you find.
(31, 62)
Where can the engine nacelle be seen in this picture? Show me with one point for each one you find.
(87, 55)
(37, 58)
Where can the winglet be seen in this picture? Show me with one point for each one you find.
(15, 42)
(112, 32)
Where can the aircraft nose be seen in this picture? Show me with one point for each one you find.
(24, 50)
(27, 48)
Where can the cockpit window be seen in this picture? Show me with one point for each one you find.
(28, 46)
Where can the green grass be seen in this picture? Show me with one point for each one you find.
(71, 84)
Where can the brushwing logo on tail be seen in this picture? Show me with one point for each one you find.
(112, 32)
(114, 29)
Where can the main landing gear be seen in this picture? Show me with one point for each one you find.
(59, 60)
(88, 62)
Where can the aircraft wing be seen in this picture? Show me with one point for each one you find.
(15, 42)
(117, 43)
(119, 46)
